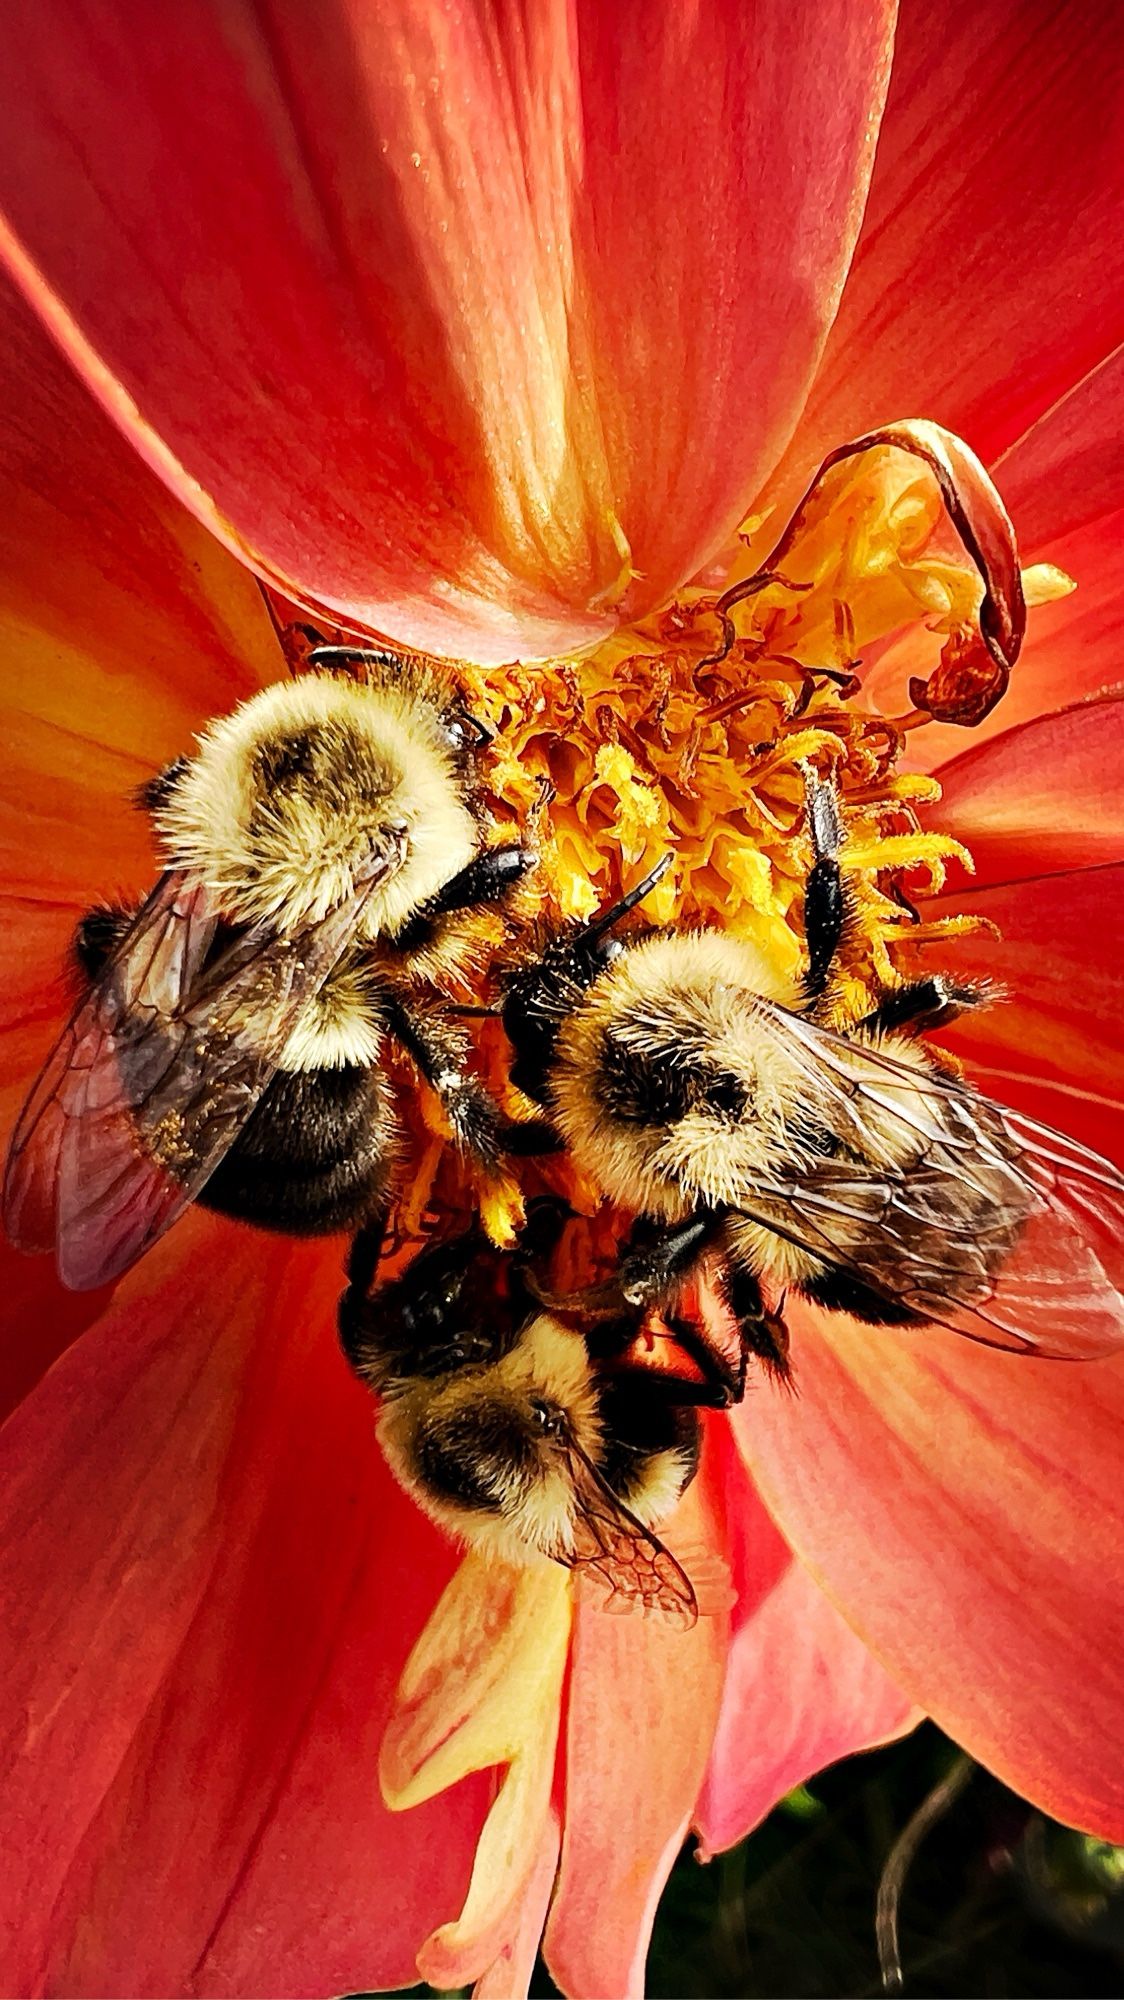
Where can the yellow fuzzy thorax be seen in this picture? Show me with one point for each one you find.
(652, 744)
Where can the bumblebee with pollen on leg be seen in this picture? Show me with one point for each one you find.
(700, 1090)
(326, 854)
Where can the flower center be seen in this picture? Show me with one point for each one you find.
(694, 734)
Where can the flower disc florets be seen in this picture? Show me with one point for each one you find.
(694, 732)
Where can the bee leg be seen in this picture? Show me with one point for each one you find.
(530, 1139)
(97, 936)
(658, 1255)
(722, 1384)
(923, 1004)
(441, 1051)
(825, 901)
(362, 1263)
(839, 1290)
(365, 1251)
(155, 792)
(485, 879)
(763, 1333)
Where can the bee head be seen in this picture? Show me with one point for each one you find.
(486, 1448)
(540, 996)
(487, 1451)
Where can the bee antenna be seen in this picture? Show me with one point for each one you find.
(607, 918)
(474, 1013)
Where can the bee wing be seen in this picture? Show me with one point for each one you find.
(155, 963)
(1002, 1229)
(154, 1076)
(632, 1567)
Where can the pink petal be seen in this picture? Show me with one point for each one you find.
(220, 1582)
(644, 1700)
(801, 1690)
(989, 276)
(459, 321)
(961, 1507)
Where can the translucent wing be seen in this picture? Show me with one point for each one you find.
(154, 1076)
(631, 1566)
(997, 1227)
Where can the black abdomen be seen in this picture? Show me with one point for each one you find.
(314, 1156)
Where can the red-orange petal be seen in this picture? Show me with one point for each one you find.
(472, 326)
(801, 1689)
(1067, 470)
(989, 276)
(1044, 798)
(962, 1508)
(122, 627)
(1053, 1046)
(644, 1699)
(123, 623)
(1039, 807)
(203, 1549)
(959, 1505)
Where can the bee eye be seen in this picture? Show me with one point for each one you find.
(547, 1417)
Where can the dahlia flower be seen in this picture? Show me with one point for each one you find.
(515, 335)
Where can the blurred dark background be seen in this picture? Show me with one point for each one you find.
(996, 1900)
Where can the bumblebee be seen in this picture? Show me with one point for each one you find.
(325, 852)
(516, 1432)
(700, 1089)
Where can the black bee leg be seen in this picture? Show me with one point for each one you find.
(547, 1216)
(839, 1290)
(330, 658)
(658, 1256)
(923, 1004)
(825, 901)
(366, 1249)
(362, 1263)
(486, 879)
(723, 1382)
(763, 1333)
(97, 936)
(441, 1051)
(530, 1140)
